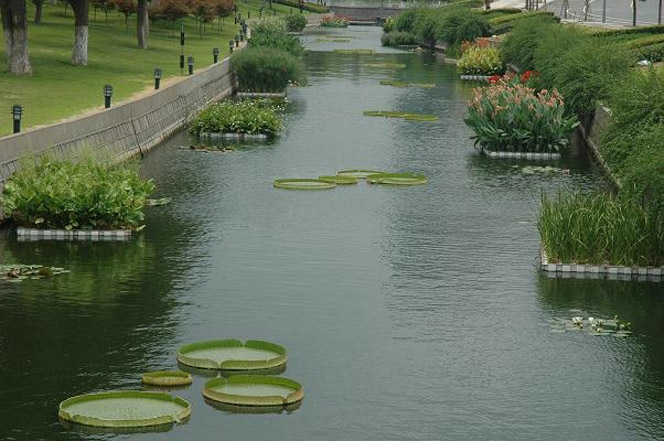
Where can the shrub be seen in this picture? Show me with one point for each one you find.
(274, 34)
(388, 25)
(307, 6)
(509, 116)
(265, 69)
(406, 20)
(520, 45)
(601, 229)
(398, 38)
(295, 22)
(583, 69)
(336, 21)
(247, 116)
(480, 61)
(462, 25)
(47, 193)
(504, 24)
(653, 53)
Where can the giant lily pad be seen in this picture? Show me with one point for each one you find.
(405, 115)
(166, 378)
(254, 390)
(339, 180)
(304, 184)
(232, 355)
(397, 179)
(353, 51)
(124, 409)
(358, 174)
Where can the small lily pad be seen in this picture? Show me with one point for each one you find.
(166, 378)
(158, 202)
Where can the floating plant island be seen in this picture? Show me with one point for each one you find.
(124, 409)
(232, 355)
(254, 390)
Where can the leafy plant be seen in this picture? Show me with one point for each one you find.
(274, 34)
(601, 229)
(479, 60)
(509, 116)
(246, 116)
(47, 193)
(266, 69)
(295, 22)
(388, 25)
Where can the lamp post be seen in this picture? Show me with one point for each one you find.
(241, 34)
(215, 54)
(157, 78)
(231, 44)
(108, 92)
(17, 112)
(181, 49)
(190, 63)
(237, 40)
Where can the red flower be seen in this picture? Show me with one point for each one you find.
(494, 79)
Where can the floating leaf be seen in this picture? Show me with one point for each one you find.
(158, 202)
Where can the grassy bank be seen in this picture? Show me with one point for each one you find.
(59, 90)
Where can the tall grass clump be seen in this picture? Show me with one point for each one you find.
(520, 45)
(601, 229)
(274, 34)
(48, 193)
(246, 116)
(583, 69)
(265, 69)
(295, 22)
(462, 25)
(398, 38)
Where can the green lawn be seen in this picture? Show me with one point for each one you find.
(59, 90)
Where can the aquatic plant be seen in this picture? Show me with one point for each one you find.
(359, 173)
(600, 229)
(480, 60)
(388, 65)
(17, 272)
(88, 194)
(399, 38)
(397, 179)
(244, 390)
(304, 184)
(592, 325)
(353, 51)
(335, 21)
(232, 355)
(405, 115)
(265, 69)
(245, 116)
(339, 180)
(509, 116)
(166, 378)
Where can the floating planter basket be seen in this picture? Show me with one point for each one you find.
(397, 179)
(304, 184)
(234, 135)
(339, 180)
(232, 355)
(166, 378)
(476, 77)
(254, 390)
(124, 409)
(359, 174)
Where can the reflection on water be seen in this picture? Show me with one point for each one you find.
(408, 313)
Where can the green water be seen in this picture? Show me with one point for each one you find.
(409, 313)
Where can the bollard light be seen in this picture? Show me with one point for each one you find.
(215, 54)
(235, 19)
(235, 8)
(17, 112)
(182, 36)
(244, 29)
(231, 44)
(157, 78)
(108, 92)
(237, 41)
(181, 62)
(241, 35)
(190, 63)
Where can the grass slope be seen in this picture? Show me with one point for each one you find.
(59, 90)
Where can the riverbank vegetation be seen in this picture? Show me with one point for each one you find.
(88, 194)
(295, 22)
(57, 89)
(480, 60)
(335, 21)
(250, 117)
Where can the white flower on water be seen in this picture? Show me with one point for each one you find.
(591, 319)
(577, 320)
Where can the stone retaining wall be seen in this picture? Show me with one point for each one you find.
(365, 13)
(125, 130)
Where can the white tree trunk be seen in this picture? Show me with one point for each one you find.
(79, 54)
(15, 26)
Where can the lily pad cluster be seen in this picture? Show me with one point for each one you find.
(592, 325)
(18, 272)
(405, 115)
(388, 65)
(350, 177)
(353, 51)
(544, 170)
(403, 84)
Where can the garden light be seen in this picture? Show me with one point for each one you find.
(157, 78)
(108, 92)
(237, 40)
(231, 44)
(215, 54)
(190, 63)
(181, 62)
(17, 112)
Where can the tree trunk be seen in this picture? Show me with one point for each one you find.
(633, 12)
(142, 24)
(79, 55)
(39, 6)
(15, 26)
(659, 14)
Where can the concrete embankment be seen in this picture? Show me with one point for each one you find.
(123, 131)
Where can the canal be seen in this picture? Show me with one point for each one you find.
(411, 313)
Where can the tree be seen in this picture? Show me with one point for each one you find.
(126, 8)
(204, 12)
(15, 27)
(79, 55)
(142, 24)
(172, 10)
(223, 8)
(104, 5)
(39, 5)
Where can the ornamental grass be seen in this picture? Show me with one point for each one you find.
(481, 60)
(509, 116)
(601, 229)
(47, 193)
